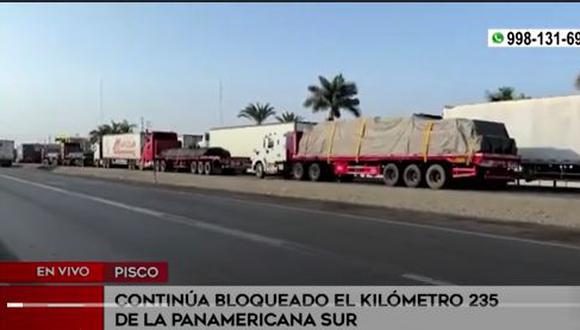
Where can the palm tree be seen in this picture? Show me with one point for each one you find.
(114, 128)
(577, 82)
(333, 96)
(257, 112)
(289, 117)
(505, 94)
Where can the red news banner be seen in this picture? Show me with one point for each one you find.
(43, 304)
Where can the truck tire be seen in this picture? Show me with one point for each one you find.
(200, 167)
(207, 168)
(412, 176)
(391, 175)
(298, 171)
(315, 172)
(193, 167)
(259, 169)
(163, 166)
(436, 176)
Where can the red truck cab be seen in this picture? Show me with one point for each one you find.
(155, 143)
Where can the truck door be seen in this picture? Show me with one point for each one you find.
(275, 152)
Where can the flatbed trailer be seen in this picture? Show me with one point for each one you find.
(281, 156)
(208, 161)
(409, 170)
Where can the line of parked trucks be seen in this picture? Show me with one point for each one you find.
(469, 143)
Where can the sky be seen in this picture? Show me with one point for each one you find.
(65, 68)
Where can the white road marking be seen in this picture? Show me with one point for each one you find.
(378, 220)
(425, 279)
(175, 218)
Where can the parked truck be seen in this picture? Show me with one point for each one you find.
(29, 153)
(51, 154)
(74, 151)
(6, 152)
(244, 141)
(402, 151)
(133, 150)
(208, 161)
(547, 131)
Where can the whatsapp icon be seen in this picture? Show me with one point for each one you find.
(497, 38)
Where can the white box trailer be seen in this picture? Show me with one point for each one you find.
(546, 130)
(242, 141)
(121, 149)
(6, 152)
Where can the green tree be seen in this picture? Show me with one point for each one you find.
(505, 94)
(113, 128)
(289, 117)
(256, 112)
(333, 96)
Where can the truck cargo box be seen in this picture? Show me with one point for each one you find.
(546, 129)
(6, 152)
(123, 146)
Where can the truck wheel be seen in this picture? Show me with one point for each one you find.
(314, 172)
(391, 175)
(193, 167)
(260, 170)
(436, 176)
(298, 171)
(200, 167)
(412, 176)
(207, 168)
(163, 166)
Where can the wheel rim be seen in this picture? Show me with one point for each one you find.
(435, 176)
(193, 167)
(298, 172)
(259, 170)
(207, 168)
(412, 176)
(314, 172)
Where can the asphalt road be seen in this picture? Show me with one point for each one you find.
(232, 239)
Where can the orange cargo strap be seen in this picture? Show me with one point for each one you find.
(330, 141)
(471, 151)
(361, 134)
(426, 140)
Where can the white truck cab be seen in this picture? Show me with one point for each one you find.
(270, 156)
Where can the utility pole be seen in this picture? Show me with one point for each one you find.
(221, 116)
(101, 114)
(142, 124)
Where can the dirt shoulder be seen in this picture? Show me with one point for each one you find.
(549, 209)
